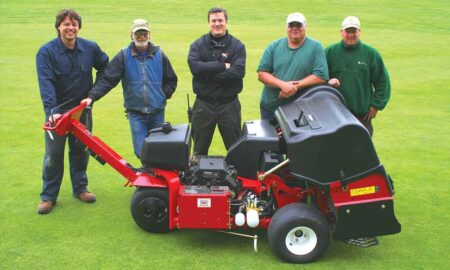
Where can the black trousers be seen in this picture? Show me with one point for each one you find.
(367, 124)
(206, 116)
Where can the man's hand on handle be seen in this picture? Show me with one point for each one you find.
(52, 119)
(86, 101)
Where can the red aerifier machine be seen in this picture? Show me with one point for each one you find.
(311, 175)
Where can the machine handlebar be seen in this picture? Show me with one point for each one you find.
(62, 124)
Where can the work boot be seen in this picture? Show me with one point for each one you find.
(45, 207)
(87, 196)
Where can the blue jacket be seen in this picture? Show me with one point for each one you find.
(142, 82)
(146, 81)
(65, 74)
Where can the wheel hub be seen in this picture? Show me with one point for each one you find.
(301, 240)
(153, 208)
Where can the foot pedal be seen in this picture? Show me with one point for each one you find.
(363, 242)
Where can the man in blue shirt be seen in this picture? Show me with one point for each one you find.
(64, 68)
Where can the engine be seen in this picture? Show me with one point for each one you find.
(212, 171)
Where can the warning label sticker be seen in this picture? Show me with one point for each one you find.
(362, 191)
(204, 203)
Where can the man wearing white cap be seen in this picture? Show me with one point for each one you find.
(358, 72)
(148, 80)
(289, 65)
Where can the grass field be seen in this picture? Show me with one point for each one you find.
(412, 135)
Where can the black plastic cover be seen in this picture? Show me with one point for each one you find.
(211, 167)
(324, 141)
(366, 220)
(167, 150)
(257, 137)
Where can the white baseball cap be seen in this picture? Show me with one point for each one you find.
(296, 17)
(351, 22)
(139, 24)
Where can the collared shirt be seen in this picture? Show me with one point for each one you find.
(65, 74)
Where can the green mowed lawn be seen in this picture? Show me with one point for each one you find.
(412, 135)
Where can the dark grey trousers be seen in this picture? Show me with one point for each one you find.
(206, 116)
(366, 124)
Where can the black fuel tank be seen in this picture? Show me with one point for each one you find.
(167, 147)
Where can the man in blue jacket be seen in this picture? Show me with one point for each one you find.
(64, 68)
(148, 80)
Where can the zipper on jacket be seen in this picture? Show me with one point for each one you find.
(144, 78)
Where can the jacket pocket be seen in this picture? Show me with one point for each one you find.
(156, 97)
(62, 69)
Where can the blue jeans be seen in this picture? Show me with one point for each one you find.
(53, 167)
(140, 124)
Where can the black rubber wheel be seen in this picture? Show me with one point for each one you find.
(150, 209)
(299, 233)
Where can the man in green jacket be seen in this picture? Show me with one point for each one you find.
(358, 72)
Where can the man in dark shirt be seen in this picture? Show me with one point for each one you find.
(64, 68)
(148, 80)
(217, 64)
(358, 72)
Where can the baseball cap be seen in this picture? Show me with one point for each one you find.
(296, 17)
(351, 22)
(139, 24)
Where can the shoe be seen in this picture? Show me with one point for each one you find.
(87, 196)
(45, 207)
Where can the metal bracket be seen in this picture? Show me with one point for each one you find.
(261, 177)
(363, 242)
(254, 237)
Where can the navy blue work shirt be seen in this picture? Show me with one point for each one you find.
(65, 74)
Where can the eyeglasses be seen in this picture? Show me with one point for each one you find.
(141, 33)
(351, 30)
(295, 24)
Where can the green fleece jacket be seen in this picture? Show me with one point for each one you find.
(364, 80)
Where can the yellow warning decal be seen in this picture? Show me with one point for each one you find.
(362, 191)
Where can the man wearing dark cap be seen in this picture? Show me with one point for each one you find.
(358, 72)
(64, 68)
(148, 80)
(217, 64)
(289, 65)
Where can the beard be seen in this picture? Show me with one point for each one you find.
(140, 44)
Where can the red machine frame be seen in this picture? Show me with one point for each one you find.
(373, 190)
(69, 122)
